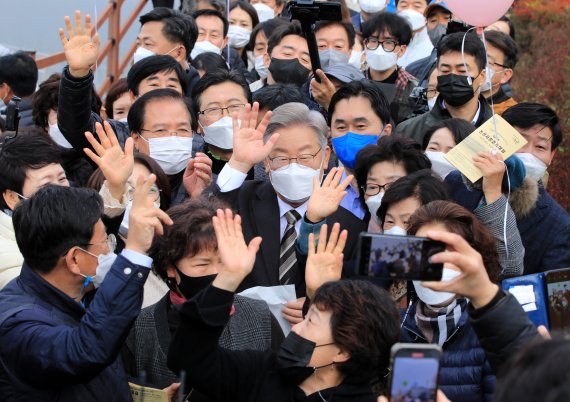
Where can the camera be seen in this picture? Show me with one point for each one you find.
(418, 96)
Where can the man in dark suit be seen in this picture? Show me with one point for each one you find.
(292, 143)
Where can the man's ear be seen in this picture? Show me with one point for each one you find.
(72, 260)
(181, 54)
(266, 165)
(225, 43)
(402, 51)
(507, 75)
(11, 199)
(327, 157)
(132, 96)
(136, 139)
(387, 129)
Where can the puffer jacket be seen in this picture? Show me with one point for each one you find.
(465, 374)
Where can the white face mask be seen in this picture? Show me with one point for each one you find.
(171, 153)
(355, 58)
(260, 67)
(294, 182)
(104, 264)
(396, 231)
(439, 164)
(264, 12)
(238, 37)
(220, 134)
(203, 47)
(373, 203)
(123, 120)
(372, 6)
(488, 84)
(433, 298)
(431, 102)
(124, 228)
(414, 18)
(535, 168)
(381, 60)
(330, 57)
(142, 53)
(58, 137)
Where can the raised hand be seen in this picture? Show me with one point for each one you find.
(493, 168)
(237, 257)
(116, 164)
(249, 147)
(80, 51)
(145, 219)
(323, 91)
(324, 264)
(327, 197)
(198, 175)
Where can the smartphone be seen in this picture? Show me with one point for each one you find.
(558, 293)
(398, 257)
(414, 372)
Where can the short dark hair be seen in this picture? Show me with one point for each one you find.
(45, 99)
(212, 13)
(249, 9)
(210, 61)
(422, 185)
(54, 220)
(459, 220)
(151, 65)
(217, 78)
(365, 323)
(97, 178)
(365, 89)
(191, 233)
(347, 26)
(20, 72)
(391, 23)
(136, 115)
(460, 129)
(506, 45)
(178, 27)
(268, 28)
(526, 115)
(509, 22)
(19, 154)
(473, 46)
(117, 90)
(427, 2)
(270, 97)
(389, 149)
(293, 28)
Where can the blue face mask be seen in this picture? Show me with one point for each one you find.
(347, 146)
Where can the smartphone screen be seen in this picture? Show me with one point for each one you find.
(558, 289)
(398, 257)
(415, 375)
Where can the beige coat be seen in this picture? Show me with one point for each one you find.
(10, 257)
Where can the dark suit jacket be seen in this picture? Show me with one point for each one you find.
(256, 202)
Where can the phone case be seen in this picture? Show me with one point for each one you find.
(530, 292)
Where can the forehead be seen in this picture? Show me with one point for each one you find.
(210, 22)
(296, 138)
(536, 133)
(222, 93)
(152, 30)
(454, 59)
(295, 41)
(332, 32)
(165, 110)
(53, 169)
(353, 107)
(494, 52)
(238, 13)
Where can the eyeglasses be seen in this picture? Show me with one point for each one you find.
(153, 192)
(302, 159)
(373, 189)
(181, 132)
(218, 112)
(372, 43)
(111, 242)
(495, 64)
(431, 92)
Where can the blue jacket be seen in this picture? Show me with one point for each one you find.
(52, 349)
(544, 225)
(465, 374)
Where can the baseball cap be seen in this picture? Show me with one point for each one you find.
(344, 72)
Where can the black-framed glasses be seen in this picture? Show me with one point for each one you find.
(218, 112)
(371, 189)
(372, 43)
(302, 159)
(494, 63)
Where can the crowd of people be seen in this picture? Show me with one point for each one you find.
(129, 225)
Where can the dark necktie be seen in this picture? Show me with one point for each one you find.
(287, 257)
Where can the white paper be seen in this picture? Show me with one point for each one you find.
(523, 293)
(529, 307)
(275, 297)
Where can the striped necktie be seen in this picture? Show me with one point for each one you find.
(287, 257)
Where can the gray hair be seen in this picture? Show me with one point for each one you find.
(297, 114)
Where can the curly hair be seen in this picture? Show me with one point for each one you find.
(462, 222)
(365, 323)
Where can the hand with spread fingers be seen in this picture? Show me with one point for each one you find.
(474, 282)
(145, 220)
(198, 175)
(116, 164)
(249, 147)
(326, 197)
(237, 256)
(81, 51)
(324, 261)
(323, 91)
(493, 168)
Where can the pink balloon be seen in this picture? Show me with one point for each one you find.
(480, 13)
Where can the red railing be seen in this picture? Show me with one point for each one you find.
(110, 48)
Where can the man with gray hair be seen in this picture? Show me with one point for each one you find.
(292, 144)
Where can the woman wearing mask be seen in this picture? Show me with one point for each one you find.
(186, 257)
(441, 317)
(243, 19)
(335, 353)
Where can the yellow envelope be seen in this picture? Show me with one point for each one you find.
(146, 394)
(505, 140)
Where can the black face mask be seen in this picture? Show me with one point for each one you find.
(455, 89)
(294, 356)
(288, 71)
(191, 285)
(437, 33)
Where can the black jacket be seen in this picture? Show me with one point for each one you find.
(236, 376)
(26, 118)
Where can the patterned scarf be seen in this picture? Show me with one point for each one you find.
(438, 324)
